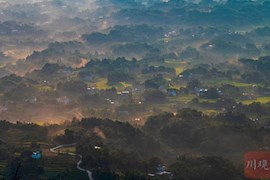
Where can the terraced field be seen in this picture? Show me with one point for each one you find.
(262, 100)
(58, 164)
(2, 166)
(222, 81)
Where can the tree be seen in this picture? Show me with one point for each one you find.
(116, 77)
(154, 96)
(69, 134)
(190, 114)
(156, 82)
(74, 87)
(189, 53)
(193, 84)
(212, 93)
(209, 167)
(230, 91)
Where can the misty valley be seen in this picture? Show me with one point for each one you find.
(134, 89)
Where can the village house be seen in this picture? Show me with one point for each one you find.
(63, 100)
(32, 100)
(172, 92)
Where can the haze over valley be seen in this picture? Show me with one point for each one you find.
(133, 89)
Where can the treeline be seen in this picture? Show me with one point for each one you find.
(165, 137)
(232, 12)
(186, 142)
(135, 33)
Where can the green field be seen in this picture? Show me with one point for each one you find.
(122, 85)
(239, 84)
(222, 81)
(179, 66)
(262, 100)
(58, 164)
(102, 84)
(182, 98)
(44, 88)
(202, 100)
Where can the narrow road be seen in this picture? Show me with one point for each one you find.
(54, 150)
(89, 173)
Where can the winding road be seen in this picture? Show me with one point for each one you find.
(89, 173)
(54, 150)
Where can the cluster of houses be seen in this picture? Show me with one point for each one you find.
(32, 100)
(110, 101)
(200, 91)
(170, 34)
(161, 171)
(63, 100)
(123, 93)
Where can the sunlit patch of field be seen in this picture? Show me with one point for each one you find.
(262, 100)
(178, 70)
(239, 84)
(44, 88)
(178, 86)
(210, 111)
(182, 98)
(222, 81)
(39, 123)
(122, 85)
(102, 84)
(207, 100)
(179, 66)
